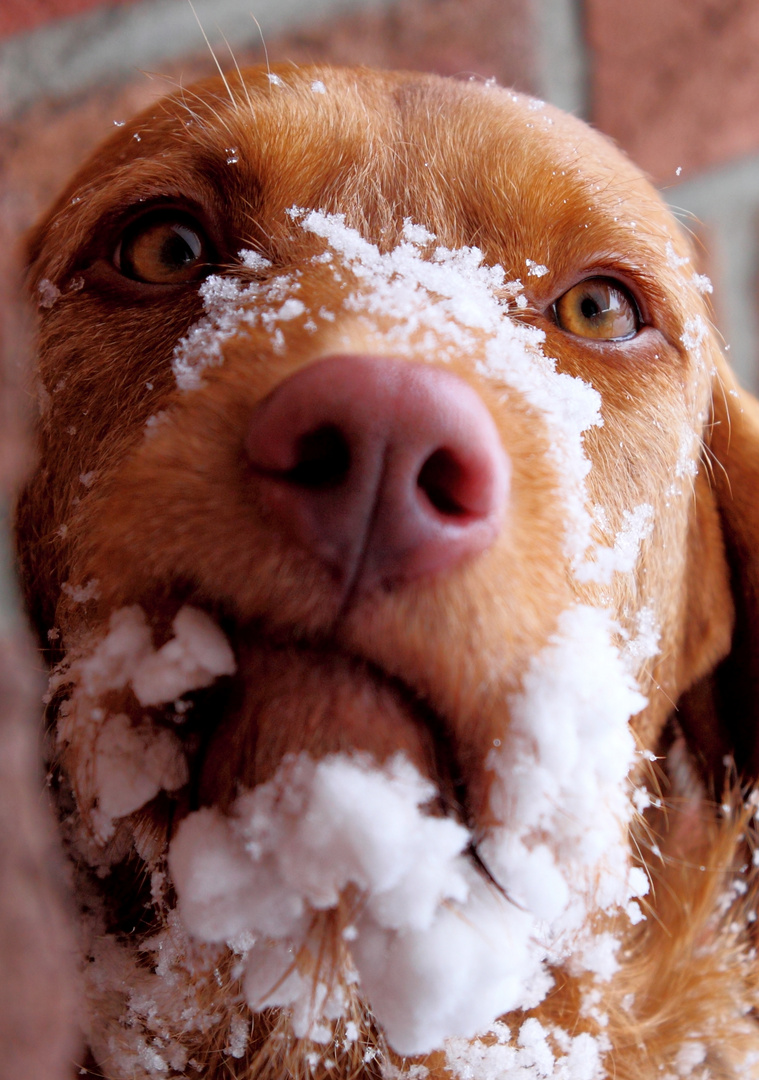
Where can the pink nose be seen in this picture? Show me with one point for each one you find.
(383, 469)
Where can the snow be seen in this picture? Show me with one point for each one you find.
(622, 557)
(81, 594)
(702, 283)
(535, 269)
(695, 332)
(195, 657)
(531, 1059)
(132, 762)
(438, 951)
(423, 295)
(675, 261)
(48, 293)
(430, 930)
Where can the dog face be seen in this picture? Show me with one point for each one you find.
(373, 535)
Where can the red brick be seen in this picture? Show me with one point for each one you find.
(488, 38)
(676, 82)
(17, 16)
(40, 149)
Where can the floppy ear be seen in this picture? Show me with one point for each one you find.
(720, 713)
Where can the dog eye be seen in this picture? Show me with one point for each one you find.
(163, 248)
(598, 308)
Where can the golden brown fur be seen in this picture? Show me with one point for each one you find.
(173, 518)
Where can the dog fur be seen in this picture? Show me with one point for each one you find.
(392, 655)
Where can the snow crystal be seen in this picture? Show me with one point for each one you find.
(132, 762)
(690, 1055)
(195, 657)
(416, 234)
(535, 269)
(274, 79)
(131, 765)
(643, 643)
(153, 423)
(388, 1071)
(496, 1059)
(622, 557)
(238, 1036)
(81, 594)
(599, 953)
(318, 87)
(253, 260)
(635, 913)
(48, 293)
(695, 332)
(675, 261)
(687, 457)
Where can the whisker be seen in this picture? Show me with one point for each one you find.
(213, 54)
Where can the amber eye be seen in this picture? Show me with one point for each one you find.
(164, 247)
(598, 308)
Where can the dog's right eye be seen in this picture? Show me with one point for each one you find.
(163, 248)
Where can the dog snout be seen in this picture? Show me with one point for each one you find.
(386, 470)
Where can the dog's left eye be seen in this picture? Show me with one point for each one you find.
(163, 248)
(598, 308)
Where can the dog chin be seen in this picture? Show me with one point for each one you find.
(325, 848)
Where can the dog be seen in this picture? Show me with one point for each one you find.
(393, 544)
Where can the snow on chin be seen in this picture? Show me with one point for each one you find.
(438, 951)
(431, 935)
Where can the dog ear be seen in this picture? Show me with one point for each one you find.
(720, 712)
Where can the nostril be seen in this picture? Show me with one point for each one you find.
(322, 459)
(461, 483)
(445, 482)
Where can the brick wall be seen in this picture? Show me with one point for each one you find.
(677, 85)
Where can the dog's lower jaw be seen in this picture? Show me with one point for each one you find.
(355, 710)
(165, 1004)
(296, 699)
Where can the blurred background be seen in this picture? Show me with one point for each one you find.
(674, 82)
